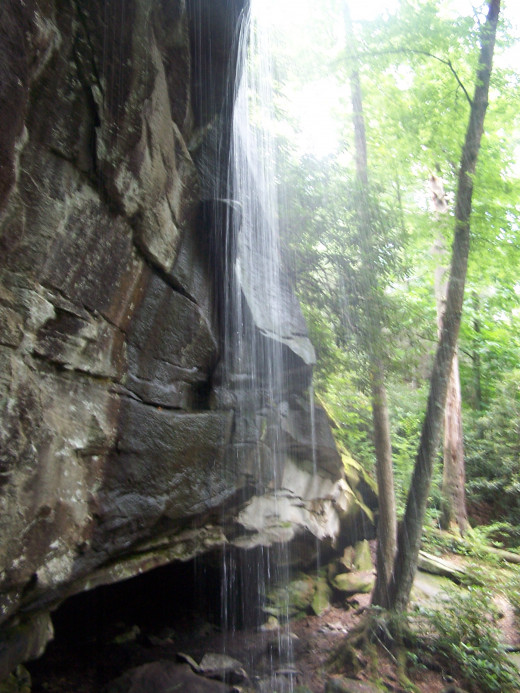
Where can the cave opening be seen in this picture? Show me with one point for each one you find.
(184, 607)
(100, 633)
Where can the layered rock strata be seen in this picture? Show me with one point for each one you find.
(121, 449)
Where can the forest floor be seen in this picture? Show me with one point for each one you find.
(84, 659)
(89, 667)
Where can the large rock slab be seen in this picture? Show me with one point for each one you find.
(106, 313)
(306, 502)
(429, 563)
(162, 677)
(121, 446)
(184, 475)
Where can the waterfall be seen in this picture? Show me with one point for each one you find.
(265, 367)
(253, 331)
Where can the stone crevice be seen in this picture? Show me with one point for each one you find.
(166, 276)
(50, 366)
(86, 36)
(77, 308)
(158, 406)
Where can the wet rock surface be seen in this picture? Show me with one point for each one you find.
(121, 449)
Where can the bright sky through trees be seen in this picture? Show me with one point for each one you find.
(312, 104)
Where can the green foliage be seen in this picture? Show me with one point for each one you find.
(329, 251)
(490, 338)
(476, 541)
(492, 446)
(513, 592)
(417, 67)
(468, 638)
(437, 542)
(350, 409)
(406, 405)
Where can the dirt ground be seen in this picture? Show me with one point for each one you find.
(86, 662)
(101, 635)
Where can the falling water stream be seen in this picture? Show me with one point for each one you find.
(254, 329)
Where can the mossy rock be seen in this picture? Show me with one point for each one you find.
(346, 562)
(362, 556)
(354, 583)
(357, 557)
(301, 592)
(293, 598)
(321, 599)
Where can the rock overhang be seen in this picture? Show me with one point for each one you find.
(121, 447)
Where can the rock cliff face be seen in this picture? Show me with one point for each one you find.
(121, 449)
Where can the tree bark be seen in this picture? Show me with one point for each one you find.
(454, 514)
(409, 538)
(453, 490)
(387, 522)
(477, 387)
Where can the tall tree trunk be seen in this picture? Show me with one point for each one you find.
(475, 357)
(387, 522)
(453, 490)
(409, 538)
(454, 515)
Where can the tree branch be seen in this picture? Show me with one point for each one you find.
(427, 54)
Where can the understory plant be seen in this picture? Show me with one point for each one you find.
(492, 445)
(466, 637)
(379, 630)
(513, 592)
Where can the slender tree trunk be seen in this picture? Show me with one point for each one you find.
(454, 515)
(453, 491)
(409, 538)
(387, 523)
(475, 357)
(476, 365)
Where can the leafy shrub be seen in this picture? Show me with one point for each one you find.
(492, 447)
(513, 592)
(350, 411)
(467, 637)
(437, 542)
(477, 540)
(407, 406)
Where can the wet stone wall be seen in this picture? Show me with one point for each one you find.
(120, 445)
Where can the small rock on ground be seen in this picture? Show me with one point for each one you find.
(339, 684)
(164, 677)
